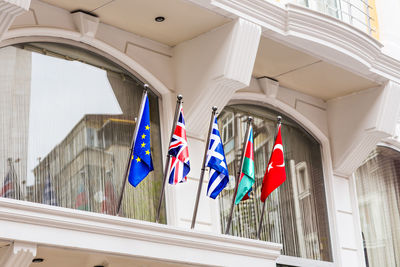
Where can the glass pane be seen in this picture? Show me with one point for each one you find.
(378, 193)
(296, 213)
(67, 120)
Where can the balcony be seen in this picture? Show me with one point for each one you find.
(358, 13)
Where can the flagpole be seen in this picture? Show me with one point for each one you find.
(203, 167)
(128, 163)
(279, 122)
(228, 224)
(178, 103)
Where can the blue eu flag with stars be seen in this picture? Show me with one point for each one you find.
(141, 162)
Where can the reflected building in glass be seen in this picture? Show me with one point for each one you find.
(60, 144)
(296, 213)
(87, 167)
(15, 71)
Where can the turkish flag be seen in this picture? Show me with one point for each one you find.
(275, 174)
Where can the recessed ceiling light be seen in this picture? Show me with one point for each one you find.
(37, 260)
(159, 19)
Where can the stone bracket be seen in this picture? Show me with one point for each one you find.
(354, 137)
(87, 24)
(19, 254)
(269, 86)
(223, 64)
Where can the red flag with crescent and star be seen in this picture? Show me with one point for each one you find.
(275, 174)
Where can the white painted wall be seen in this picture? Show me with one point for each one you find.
(389, 24)
(215, 69)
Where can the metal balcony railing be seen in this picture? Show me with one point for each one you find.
(355, 12)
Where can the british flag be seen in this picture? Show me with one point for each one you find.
(178, 150)
(9, 184)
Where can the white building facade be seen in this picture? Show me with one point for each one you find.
(71, 77)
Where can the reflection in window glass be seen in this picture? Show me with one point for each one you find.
(296, 213)
(67, 120)
(378, 193)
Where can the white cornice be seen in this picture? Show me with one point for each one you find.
(43, 224)
(318, 34)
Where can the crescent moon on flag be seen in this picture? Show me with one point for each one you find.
(280, 147)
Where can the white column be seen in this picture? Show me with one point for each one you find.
(348, 229)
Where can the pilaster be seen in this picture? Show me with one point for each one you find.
(348, 229)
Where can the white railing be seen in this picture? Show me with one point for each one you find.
(354, 12)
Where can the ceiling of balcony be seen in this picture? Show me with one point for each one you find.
(307, 74)
(67, 258)
(183, 20)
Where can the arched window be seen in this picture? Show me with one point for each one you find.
(296, 213)
(67, 117)
(378, 193)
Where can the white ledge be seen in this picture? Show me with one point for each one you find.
(56, 226)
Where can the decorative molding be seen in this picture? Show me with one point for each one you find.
(303, 262)
(269, 86)
(19, 254)
(39, 33)
(55, 226)
(315, 33)
(87, 24)
(242, 53)
(233, 68)
(354, 137)
(9, 10)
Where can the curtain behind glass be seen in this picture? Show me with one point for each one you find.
(378, 192)
(296, 213)
(67, 122)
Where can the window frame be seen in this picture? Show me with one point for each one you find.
(108, 54)
(388, 144)
(327, 169)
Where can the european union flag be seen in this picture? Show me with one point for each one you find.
(141, 162)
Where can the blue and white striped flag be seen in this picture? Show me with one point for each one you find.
(219, 176)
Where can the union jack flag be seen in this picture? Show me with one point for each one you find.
(178, 150)
(8, 189)
(8, 186)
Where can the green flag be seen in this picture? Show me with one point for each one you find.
(246, 180)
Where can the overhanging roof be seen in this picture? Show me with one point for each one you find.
(183, 20)
(310, 75)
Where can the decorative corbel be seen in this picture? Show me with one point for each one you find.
(9, 10)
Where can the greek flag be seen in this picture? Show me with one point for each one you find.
(49, 196)
(219, 176)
